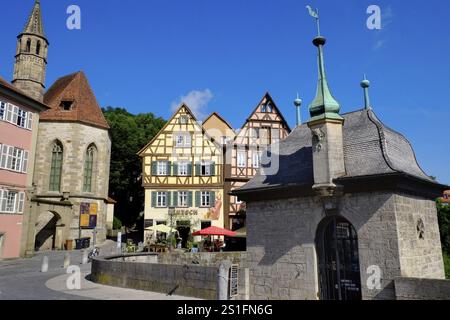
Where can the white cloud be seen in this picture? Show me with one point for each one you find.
(197, 101)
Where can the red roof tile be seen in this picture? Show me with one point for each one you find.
(85, 108)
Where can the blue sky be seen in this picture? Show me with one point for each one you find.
(145, 55)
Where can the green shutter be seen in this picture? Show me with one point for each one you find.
(190, 199)
(168, 194)
(197, 199)
(212, 197)
(189, 169)
(154, 168)
(175, 169)
(213, 168)
(197, 169)
(153, 199)
(175, 199)
(168, 164)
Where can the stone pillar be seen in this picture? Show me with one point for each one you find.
(328, 154)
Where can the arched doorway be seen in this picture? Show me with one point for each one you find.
(337, 250)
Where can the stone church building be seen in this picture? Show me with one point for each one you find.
(347, 211)
(70, 184)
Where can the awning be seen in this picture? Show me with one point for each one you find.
(161, 228)
(215, 231)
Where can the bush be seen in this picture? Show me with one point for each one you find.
(117, 224)
(447, 264)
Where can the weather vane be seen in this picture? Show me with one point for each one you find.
(315, 14)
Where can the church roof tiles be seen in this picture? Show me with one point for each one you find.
(71, 98)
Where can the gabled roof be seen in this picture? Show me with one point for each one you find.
(277, 110)
(85, 108)
(188, 110)
(371, 149)
(21, 96)
(219, 117)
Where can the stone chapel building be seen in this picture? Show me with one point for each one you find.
(70, 184)
(345, 210)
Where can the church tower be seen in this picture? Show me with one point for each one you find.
(31, 56)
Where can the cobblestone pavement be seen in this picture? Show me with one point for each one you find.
(22, 279)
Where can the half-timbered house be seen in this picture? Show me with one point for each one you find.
(264, 126)
(182, 177)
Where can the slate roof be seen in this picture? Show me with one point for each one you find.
(370, 149)
(73, 87)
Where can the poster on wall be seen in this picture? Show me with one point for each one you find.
(88, 215)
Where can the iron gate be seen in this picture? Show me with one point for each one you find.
(337, 248)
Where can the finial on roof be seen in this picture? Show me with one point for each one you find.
(365, 84)
(324, 106)
(298, 103)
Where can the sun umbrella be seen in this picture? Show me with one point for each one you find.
(214, 231)
(161, 228)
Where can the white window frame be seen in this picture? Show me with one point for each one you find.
(161, 168)
(4, 156)
(21, 202)
(256, 159)
(241, 159)
(182, 168)
(183, 140)
(13, 159)
(237, 201)
(182, 200)
(207, 166)
(9, 201)
(161, 199)
(9, 112)
(29, 120)
(205, 199)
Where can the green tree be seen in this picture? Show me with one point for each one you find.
(444, 224)
(129, 133)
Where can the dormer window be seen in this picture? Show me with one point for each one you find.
(66, 105)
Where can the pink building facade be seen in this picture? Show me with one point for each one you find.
(19, 117)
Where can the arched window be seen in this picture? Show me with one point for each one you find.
(28, 47)
(88, 168)
(38, 47)
(56, 167)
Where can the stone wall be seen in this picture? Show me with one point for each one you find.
(422, 289)
(419, 242)
(203, 258)
(282, 253)
(146, 272)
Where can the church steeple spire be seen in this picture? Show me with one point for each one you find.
(34, 23)
(324, 106)
(31, 56)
